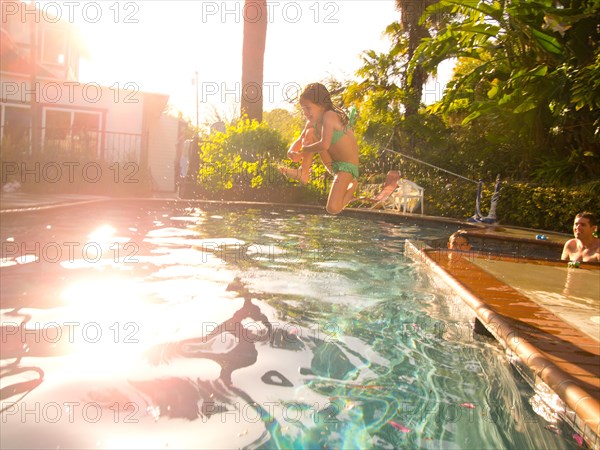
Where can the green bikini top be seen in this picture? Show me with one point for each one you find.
(337, 134)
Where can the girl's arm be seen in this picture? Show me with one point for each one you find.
(296, 145)
(327, 161)
(295, 150)
(323, 144)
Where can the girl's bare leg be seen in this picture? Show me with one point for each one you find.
(300, 174)
(342, 190)
(350, 192)
(290, 172)
(305, 168)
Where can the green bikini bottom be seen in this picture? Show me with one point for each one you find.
(343, 166)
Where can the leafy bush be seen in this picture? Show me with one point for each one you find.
(241, 164)
(521, 204)
(242, 158)
(543, 207)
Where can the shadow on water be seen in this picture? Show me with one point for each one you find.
(195, 398)
(14, 347)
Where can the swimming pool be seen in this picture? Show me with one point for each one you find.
(574, 295)
(154, 325)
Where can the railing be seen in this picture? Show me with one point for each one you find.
(79, 145)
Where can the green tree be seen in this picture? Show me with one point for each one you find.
(288, 124)
(529, 72)
(414, 31)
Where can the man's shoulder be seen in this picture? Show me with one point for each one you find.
(571, 246)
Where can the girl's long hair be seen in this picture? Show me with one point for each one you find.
(319, 95)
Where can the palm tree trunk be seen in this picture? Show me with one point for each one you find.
(253, 54)
(411, 11)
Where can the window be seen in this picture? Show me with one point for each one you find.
(58, 124)
(85, 133)
(83, 122)
(72, 133)
(16, 124)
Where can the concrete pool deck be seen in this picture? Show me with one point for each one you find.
(548, 348)
(14, 202)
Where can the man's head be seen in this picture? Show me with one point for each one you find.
(584, 225)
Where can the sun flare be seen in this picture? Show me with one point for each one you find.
(106, 317)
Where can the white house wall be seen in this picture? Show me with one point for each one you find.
(123, 109)
(162, 153)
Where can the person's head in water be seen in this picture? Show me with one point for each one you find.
(459, 241)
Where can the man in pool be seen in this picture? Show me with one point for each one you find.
(585, 247)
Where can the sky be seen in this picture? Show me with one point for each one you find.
(158, 45)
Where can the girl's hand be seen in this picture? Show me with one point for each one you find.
(294, 156)
(308, 137)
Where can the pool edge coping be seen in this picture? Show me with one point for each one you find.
(348, 210)
(585, 407)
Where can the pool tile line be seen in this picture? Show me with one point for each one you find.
(581, 409)
(14, 203)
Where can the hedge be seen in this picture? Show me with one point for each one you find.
(520, 204)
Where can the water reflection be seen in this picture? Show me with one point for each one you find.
(240, 349)
(19, 341)
(232, 344)
(17, 381)
(321, 341)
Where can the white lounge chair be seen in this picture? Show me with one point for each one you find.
(408, 196)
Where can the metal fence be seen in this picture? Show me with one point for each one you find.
(79, 145)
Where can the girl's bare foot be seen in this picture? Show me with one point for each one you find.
(294, 174)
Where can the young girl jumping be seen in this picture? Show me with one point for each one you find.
(328, 133)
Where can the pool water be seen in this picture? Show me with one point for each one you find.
(157, 326)
(572, 294)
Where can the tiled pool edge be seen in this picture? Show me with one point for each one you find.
(581, 411)
(56, 205)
